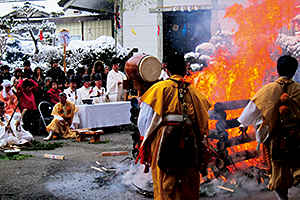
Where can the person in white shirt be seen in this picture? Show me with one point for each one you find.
(72, 96)
(99, 95)
(86, 90)
(115, 80)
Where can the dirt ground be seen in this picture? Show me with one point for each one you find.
(73, 178)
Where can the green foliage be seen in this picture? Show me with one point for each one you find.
(43, 146)
(15, 157)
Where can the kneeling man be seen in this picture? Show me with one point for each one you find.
(63, 113)
(11, 131)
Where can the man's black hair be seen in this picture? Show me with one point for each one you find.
(53, 61)
(287, 66)
(26, 63)
(176, 64)
(2, 103)
(5, 67)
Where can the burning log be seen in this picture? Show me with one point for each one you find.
(244, 155)
(231, 105)
(240, 140)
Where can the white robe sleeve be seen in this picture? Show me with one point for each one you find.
(148, 120)
(144, 119)
(252, 115)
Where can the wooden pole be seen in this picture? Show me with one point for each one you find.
(65, 55)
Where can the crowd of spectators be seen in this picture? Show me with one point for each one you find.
(26, 88)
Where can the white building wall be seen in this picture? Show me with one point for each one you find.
(145, 23)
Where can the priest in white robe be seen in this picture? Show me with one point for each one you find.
(86, 90)
(12, 134)
(99, 94)
(115, 80)
(72, 96)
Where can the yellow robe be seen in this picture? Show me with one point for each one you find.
(267, 100)
(56, 125)
(163, 98)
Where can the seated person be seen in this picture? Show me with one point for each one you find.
(71, 93)
(13, 133)
(98, 93)
(54, 93)
(85, 91)
(63, 113)
(8, 97)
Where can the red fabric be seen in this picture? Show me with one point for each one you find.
(27, 100)
(145, 157)
(54, 94)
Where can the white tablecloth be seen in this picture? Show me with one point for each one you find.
(104, 114)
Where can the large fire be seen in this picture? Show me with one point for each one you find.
(234, 77)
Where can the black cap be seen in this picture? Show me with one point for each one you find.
(86, 78)
(115, 61)
(98, 77)
(62, 94)
(72, 78)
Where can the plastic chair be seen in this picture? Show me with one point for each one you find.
(45, 109)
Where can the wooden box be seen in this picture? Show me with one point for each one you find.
(94, 136)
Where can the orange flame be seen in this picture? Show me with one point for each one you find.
(239, 76)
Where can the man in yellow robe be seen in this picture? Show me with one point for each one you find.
(275, 113)
(63, 113)
(174, 121)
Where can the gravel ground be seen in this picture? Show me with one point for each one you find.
(73, 178)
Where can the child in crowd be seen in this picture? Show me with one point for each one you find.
(54, 93)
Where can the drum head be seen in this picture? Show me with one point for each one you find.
(149, 68)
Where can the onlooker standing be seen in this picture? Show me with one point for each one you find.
(25, 92)
(56, 74)
(41, 95)
(17, 75)
(27, 70)
(104, 76)
(15, 84)
(6, 74)
(79, 72)
(38, 75)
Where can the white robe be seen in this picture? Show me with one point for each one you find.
(101, 99)
(112, 85)
(83, 93)
(252, 116)
(21, 136)
(71, 97)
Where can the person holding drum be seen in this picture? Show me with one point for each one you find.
(115, 80)
(174, 121)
